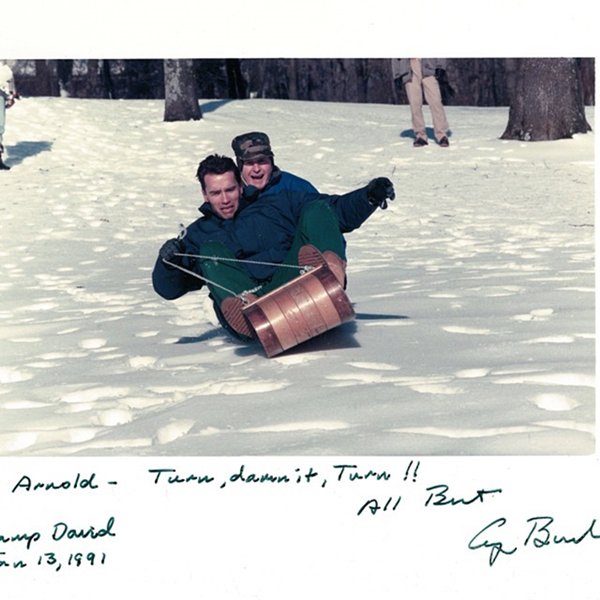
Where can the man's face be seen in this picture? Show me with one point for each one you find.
(257, 172)
(222, 192)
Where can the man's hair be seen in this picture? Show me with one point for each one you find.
(217, 165)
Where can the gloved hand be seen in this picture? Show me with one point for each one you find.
(170, 248)
(379, 191)
(10, 99)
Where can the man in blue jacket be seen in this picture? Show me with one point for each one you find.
(260, 174)
(245, 247)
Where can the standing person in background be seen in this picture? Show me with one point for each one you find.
(7, 99)
(420, 77)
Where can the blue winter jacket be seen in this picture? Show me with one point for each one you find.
(262, 230)
(282, 181)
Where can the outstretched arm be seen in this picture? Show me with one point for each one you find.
(354, 208)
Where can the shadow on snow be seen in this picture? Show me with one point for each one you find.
(22, 150)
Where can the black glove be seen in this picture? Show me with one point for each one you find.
(170, 248)
(379, 191)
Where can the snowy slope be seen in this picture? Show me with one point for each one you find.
(474, 291)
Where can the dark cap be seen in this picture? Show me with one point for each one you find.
(250, 146)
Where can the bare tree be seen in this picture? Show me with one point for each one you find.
(476, 81)
(547, 102)
(236, 85)
(181, 92)
(46, 79)
(93, 80)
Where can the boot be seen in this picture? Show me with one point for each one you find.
(3, 167)
(231, 308)
(312, 257)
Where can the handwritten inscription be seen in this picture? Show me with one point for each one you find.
(55, 561)
(438, 496)
(498, 538)
(374, 506)
(540, 533)
(77, 482)
(58, 532)
(28, 537)
(171, 476)
(62, 531)
(352, 473)
(341, 473)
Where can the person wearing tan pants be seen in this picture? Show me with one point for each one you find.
(7, 99)
(418, 77)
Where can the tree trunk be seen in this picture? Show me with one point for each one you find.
(236, 85)
(181, 96)
(293, 79)
(547, 103)
(64, 72)
(94, 84)
(46, 80)
(107, 83)
(587, 67)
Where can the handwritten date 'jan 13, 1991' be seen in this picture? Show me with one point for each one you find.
(540, 532)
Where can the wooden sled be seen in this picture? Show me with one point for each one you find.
(299, 310)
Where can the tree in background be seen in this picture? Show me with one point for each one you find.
(476, 81)
(548, 102)
(236, 84)
(181, 92)
(47, 85)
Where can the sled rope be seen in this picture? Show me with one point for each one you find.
(193, 274)
(241, 260)
(183, 233)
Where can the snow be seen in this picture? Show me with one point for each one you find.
(474, 291)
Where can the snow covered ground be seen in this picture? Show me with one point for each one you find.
(474, 291)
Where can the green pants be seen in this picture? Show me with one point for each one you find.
(318, 226)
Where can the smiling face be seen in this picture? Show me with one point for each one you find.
(222, 192)
(257, 172)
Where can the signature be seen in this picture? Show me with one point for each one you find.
(540, 533)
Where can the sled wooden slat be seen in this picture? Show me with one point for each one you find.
(299, 310)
